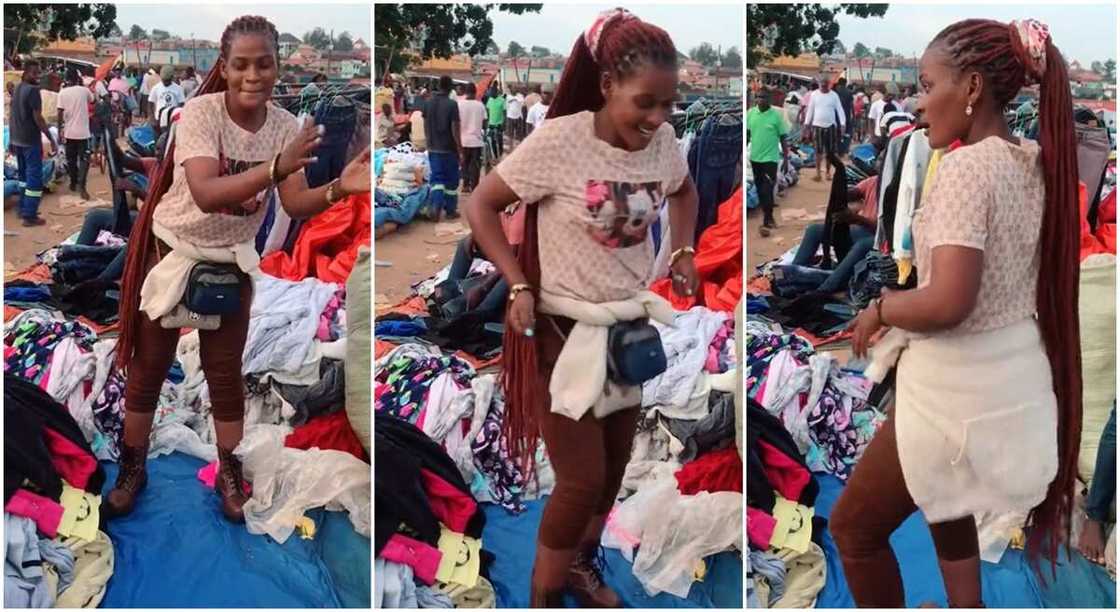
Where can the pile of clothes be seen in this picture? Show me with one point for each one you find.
(402, 186)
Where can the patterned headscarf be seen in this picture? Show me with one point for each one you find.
(1029, 37)
(595, 32)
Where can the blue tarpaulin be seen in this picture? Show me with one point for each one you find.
(177, 550)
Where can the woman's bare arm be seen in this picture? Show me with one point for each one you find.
(948, 299)
(483, 213)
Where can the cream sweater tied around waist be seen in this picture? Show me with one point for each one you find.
(166, 282)
(579, 380)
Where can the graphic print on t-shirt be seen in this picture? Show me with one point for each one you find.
(621, 213)
(230, 167)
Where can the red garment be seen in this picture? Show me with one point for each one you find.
(327, 246)
(720, 470)
(760, 528)
(1104, 241)
(719, 262)
(422, 558)
(328, 432)
(451, 506)
(72, 463)
(786, 475)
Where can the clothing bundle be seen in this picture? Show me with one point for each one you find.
(327, 245)
(718, 262)
(402, 186)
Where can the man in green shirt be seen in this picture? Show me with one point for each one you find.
(496, 109)
(766, 134)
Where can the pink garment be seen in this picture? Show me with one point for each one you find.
(718, 342)
(324, 331)
(46, 512)
(208, 474)
(71, 462)
(760, 528)
(422, 558)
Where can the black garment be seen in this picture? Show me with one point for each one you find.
(836, 236)
(846, 100)
(28, 411)
(713, 432)
(472, 165)
(97, 300)
(761, 425)
(765, 179)
(326, 396)
(817, 313)
(77, 161)
(889, 203)
(439, 115)
(467, 332)
(399, 498)
(26, 102)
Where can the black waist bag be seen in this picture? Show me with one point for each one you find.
(634, 353)
(213, 289)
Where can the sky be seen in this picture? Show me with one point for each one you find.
(1083, 32)
(207, 21)
(557, 25)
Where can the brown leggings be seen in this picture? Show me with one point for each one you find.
(220, 352)
(589, 456)
(874, 503)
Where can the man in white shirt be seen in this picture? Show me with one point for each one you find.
(73, 128)
(151, 79)
(472, 122)
(514, 119)
(166, 94)
(537, 113)
(825, 115)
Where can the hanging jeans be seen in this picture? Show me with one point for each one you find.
(30, 162)
(765, 180)
(1103, 488)
(77, 161)
(711, 162)
(862, 241)
(445, 182)
(339, 123)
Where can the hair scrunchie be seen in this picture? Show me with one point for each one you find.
(1029, 37)
(595, 32)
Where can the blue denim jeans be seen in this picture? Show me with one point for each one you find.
(445, 181)
(711, 162)
(30, 162)
(339, 123)
(862, 242)
(96, 220)
(461, 267)
(1102, 490)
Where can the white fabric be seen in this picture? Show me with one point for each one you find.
(283, 323)
(686, 344)
(913, 170)
(472, 404)
(1001, 390)
(579, 379)
(74, 103)
(683, 530)
(166, 282)
(875, 113)
(513, 107)
(823, 110)
(441, 412)
(536, 115)
(163, 96)
(472, 118)
(287, 482)
(70, 367)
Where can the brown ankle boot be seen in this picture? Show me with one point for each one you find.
(585, 580)
(132, 477)
(230, 486)
(541, 598)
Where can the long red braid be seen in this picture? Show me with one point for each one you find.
(140, 253)
(625, 45)
(995, 50)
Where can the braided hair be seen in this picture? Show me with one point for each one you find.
(996, 51)
(625, 45)
(140, 256)
(249, 24)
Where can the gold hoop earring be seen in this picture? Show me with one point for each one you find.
(968, 109)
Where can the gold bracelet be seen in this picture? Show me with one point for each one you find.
(518, 288)
(332, 191)
(681, 252)
(272, 170)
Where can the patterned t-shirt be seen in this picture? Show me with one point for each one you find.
(206, 130)
(596, 203)
(988, 196)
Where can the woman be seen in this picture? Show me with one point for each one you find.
(606, 137)
(232, 146)
(988, 409)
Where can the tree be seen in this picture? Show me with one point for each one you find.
(1110, 70)
(115, 31)
(706, 54)
(437, 29)
(838, 48)
(137, 33)
(861, 51)
(792, 29)
(732, 58)
(344, 42)
(26, 25)
(318, 38)
(536, 51)
(160, 35)
(883, 52)
(515, 49)
(1097, 67)
(493, 48)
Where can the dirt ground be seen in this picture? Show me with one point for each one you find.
(411, 254)
(63, 210)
